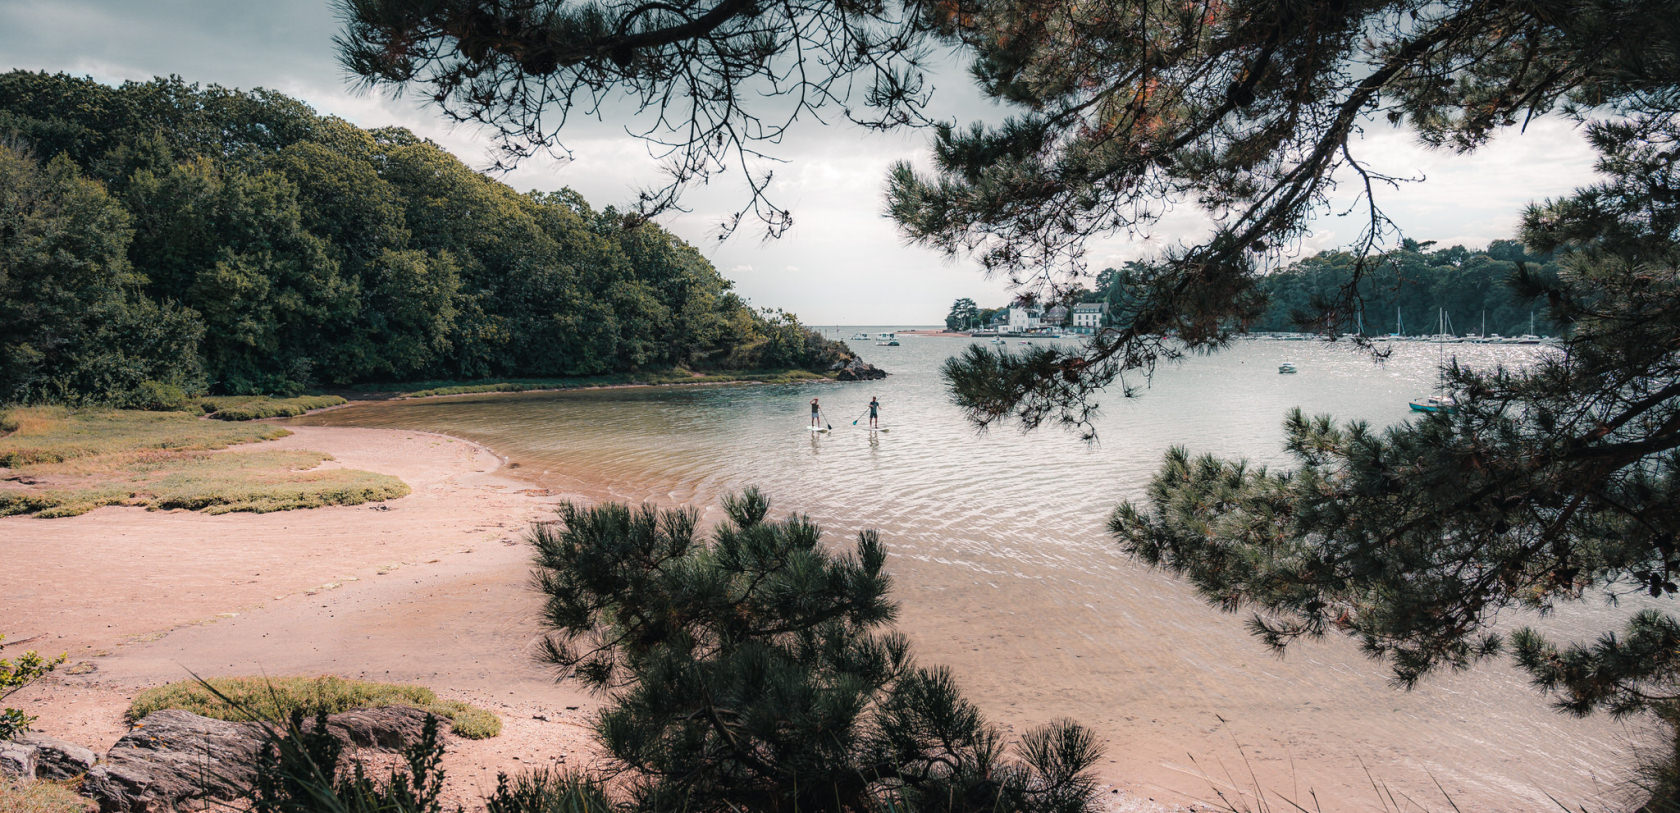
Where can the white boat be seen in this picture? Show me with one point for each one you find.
(1434, 403)
(860, 337)
(1440, 401)
(1287, 367)
(886, 340)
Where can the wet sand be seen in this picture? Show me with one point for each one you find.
(433, 589)
(430, 589)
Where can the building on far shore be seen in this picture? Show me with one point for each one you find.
(1088, 316)
(1023, 320)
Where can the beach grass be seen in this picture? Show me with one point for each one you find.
(273, 698)
(41, 797)
(58, 463)
(50, 434)
(426, 389)
(254, 407)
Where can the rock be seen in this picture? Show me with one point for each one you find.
(390, 728)
(860, 370)
(57, 759)
(174, 757)
(18, 760)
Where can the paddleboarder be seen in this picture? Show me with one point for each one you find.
(874, 412)
(815, 411)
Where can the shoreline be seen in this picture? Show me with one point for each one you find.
(430, 589)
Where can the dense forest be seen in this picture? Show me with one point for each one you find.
(160, 238)
(1401, 291)
(1417, 283)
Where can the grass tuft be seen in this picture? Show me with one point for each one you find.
(274, 698)
(41, 797)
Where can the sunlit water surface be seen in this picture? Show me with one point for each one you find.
(1000, 558)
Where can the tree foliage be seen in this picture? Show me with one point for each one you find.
(161, 232)
(14, 676)
(757, 671)
(1544, 485)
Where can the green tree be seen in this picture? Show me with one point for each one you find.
(73, 324)
(963, 316)
(757, 671)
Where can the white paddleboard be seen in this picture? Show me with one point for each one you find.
(874, 428)
(817, 429)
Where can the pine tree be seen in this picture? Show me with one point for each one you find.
(758, 671)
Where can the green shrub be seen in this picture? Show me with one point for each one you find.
(236, 698)
(546, 791)
(251, 408)
(156, 396)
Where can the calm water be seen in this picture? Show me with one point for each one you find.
(999, 556)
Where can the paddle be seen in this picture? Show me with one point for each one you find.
(860, 416)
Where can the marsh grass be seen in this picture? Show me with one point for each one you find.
(62, 463)
(268, 698)
(41, 797)
(254, 407)
(426, 389)
(55, 434)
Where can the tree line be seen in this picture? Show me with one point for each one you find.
(1401, 291)
(160, 238)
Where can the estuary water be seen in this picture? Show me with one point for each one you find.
(1000, 559)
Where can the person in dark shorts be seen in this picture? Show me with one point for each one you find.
(874, 412)
(815, 411)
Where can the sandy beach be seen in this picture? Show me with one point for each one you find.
(428, 589)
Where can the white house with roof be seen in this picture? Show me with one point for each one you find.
(1088, 316)
(1022, 320)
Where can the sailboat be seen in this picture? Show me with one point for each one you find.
(1440, 401)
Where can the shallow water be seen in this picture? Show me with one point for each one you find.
(997, 549)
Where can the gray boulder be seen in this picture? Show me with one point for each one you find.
(859, 370)
(57, 759)
(18, 759)
(174, 758)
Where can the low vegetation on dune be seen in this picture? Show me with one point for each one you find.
(40, 797)
(61, 463)
(273, 698)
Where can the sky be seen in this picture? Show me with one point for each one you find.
(843, 262)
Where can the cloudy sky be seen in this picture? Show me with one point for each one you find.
(842, 263)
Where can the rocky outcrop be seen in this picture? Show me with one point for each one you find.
(18, 759)
(174, 758)
(859, 370)
(57, 759)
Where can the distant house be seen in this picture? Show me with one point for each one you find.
(1056, 316)
(1088, 316)
(1000, 321)
(1022, 320)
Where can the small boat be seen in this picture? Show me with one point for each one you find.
(1287, 367)
(859, 337)
(1434, 403)
(1000, 341)
(886, 340)
(1024, 341)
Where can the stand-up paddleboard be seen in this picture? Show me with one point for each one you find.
(817, 429)
(874, 428)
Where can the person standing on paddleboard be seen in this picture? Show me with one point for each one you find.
(815, 410)
(874, 412)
